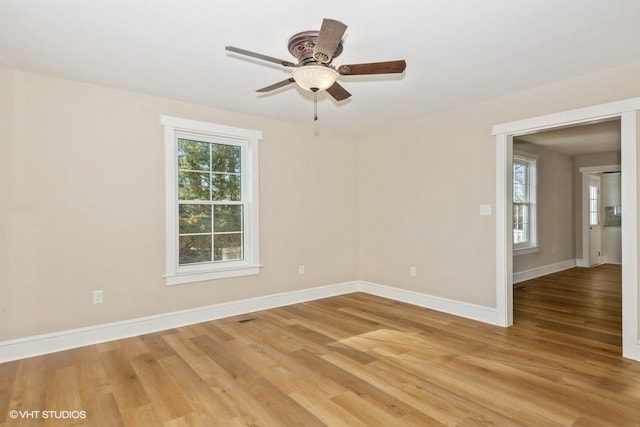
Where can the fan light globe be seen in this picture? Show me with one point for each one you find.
(318, 77)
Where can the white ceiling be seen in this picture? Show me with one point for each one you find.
(591, 138)
(457, 51)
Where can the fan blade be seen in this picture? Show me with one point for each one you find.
(277, 85)
(338, 92)
(260, 56)
(329, 37)
(388, 67)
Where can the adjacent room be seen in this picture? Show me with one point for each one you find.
(298, 213)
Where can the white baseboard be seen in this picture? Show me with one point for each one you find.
(64, 340)
(457, 308)
(521, 276)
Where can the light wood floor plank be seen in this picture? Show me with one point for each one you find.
(355, 360)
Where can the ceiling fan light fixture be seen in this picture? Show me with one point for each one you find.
(314, 77)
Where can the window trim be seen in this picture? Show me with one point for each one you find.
(175, 128)
(531, 246)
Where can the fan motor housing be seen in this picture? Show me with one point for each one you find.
(302, 45)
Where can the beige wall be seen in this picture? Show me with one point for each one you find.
(82, 204)
(555, 188)
(420, 186)
(84, 207)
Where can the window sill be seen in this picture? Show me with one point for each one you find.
(525, 251)
(182, 278)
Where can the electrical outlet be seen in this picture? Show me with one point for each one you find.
(98, 297)
(301, 270)
(412, 271)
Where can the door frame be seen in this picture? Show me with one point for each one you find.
(586, 172)
(628, 112)
(593, 178)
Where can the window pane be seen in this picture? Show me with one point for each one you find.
(195, 219)
(524, 200)
(520, 183)
(228, 247)
(520, 223)
(521, 235)
(225, 187)
(519, 193)
(593, 205)
(193, 186)
(520, 173)
(227, 218)
(225, 158)
(193, 155)
(194, 249)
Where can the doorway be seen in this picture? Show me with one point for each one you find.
(608, 236)
(595, 230)
(564, 157)
(627, 112)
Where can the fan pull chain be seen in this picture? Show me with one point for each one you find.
(315, 103)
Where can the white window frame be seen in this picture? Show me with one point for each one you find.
(531, 245)
(247, 139)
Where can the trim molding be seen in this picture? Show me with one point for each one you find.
(577, 116)
(581, 263)
(629, 113)
(64, 340)
(36, 345)
(445, 305)
(521, 276)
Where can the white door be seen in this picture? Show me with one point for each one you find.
(595, 223)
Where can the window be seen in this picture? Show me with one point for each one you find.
(593, 204)
(211, 201)
(524, 203)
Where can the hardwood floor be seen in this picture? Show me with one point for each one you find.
(353, 360)
(576, 303)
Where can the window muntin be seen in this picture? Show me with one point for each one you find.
(212, 200)
(524, 202)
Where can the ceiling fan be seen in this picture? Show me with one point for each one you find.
(315, 51)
